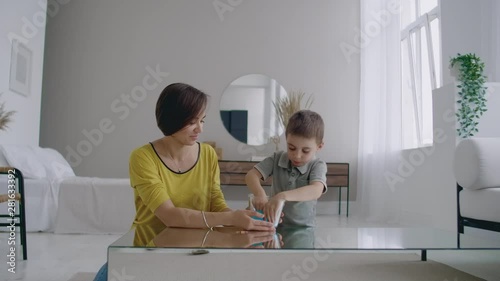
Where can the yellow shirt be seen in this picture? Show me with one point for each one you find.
(154, 183)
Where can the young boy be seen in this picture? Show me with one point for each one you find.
(299, 178)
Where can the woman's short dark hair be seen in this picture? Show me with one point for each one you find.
(306, 124)
(178, 105)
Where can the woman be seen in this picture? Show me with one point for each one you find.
(176, 179)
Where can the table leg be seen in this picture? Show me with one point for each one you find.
(347, 212)
(340, 197)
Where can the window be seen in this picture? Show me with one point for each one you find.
(420, 68)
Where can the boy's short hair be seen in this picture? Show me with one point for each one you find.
(178, 105)
(307, 124)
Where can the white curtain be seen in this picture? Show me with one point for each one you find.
(380, 111)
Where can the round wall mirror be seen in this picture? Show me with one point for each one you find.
(247, 109)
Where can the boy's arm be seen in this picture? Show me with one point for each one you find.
(252, 179)
(260, 171)
(316, 187)
(305, 193)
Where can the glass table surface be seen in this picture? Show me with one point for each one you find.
(228, 253)
(301, 238)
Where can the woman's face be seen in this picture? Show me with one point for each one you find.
(190, 133)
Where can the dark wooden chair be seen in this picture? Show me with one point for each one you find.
(15, 215)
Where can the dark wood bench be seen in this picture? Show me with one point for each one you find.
(233, 173)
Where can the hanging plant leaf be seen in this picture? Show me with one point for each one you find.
(472, 92)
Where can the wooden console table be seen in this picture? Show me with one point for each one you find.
(233, 173)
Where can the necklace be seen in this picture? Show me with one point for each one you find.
(173, 161)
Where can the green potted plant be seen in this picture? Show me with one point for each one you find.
(5, 116)
(472, 92)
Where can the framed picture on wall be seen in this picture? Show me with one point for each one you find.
(20, 68)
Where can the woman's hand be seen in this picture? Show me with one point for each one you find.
(250, 239)
(243, 219)
(259, 202)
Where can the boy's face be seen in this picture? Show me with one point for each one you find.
(301, 150)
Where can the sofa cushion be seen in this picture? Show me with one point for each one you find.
(480, 204)
(477, 163)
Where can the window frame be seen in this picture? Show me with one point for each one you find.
(422, 22)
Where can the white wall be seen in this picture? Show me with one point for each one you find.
(466, 27)
(24, 21)
(489, 123)
(98, 51)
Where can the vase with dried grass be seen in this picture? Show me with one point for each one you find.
(286, 106)
(5, 116)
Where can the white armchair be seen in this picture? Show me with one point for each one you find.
(477, 171)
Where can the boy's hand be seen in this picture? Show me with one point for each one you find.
(274, 205)
(259, 202)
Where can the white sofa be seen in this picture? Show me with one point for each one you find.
(59, 201)
(477, 171)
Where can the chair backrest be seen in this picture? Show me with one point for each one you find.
(6, 197)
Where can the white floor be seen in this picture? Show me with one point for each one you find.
(58, 257)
